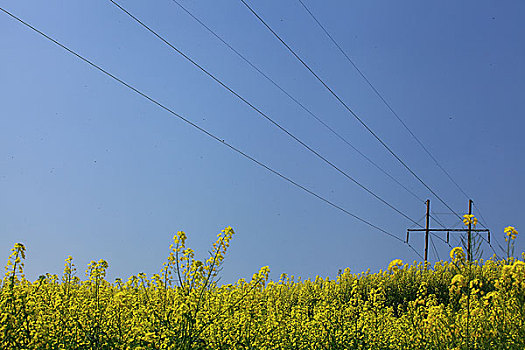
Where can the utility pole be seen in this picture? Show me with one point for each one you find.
(468, 230)
(469, 235)
(427, 230)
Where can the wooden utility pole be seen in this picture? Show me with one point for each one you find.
(427, 230)
(468, 230)
(469, 235)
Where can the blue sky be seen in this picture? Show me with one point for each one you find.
(92, 170)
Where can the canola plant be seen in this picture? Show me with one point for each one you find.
(455, 304)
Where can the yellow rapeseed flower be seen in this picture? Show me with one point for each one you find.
(470, 219)
(459, 280)
(457, 253)
(395, 264)
(510, 232)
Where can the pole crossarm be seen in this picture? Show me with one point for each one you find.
(448, 230)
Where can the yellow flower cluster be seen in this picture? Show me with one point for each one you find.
(451, 305)
(470, 219)
(510, 233)
(395, 264)
(457, 255)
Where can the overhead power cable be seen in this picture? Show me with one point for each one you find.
(385, 102)
(483, 223)
(388, 105)
(418, 222)
(296, 101)
(206, 132)
(438, 237)
(261, 113)
(431, 233)
(382, 98)
(436, 254)
(347, 107)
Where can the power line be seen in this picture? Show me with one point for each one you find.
(209, 134)
(483, 223)
(444, 241)
(438, 237)
(346, 107)
(418, 222)
(434, 248)
(431, 233)
(381, 97)
(295, 100)
(436, 220)
(264, 115)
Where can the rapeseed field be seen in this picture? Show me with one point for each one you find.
(454, 304)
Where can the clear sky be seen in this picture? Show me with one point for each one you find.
(90, 169)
